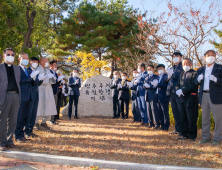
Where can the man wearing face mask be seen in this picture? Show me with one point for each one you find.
(10, 98)
(150, 85)
(123, 96)
(135, 109)
(173, 76)
(113, 85)
(209, 77)
(187, 91)
(74, 83)
(161, 98)
(46, 106)
(26, 97)
(141, 92)
(36, 82)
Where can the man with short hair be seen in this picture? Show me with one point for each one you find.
(209, 77)
(36, 82)
(113, 85)
(141, 92)
(134, 103)
(161, 99)
(59, 99)
(10, 98)
(187, 91)
(46, 106)
(74, 83)
(26, 97)
(150, 85)
(123, 96)
(173, 76)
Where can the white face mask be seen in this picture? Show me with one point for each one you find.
(186, 68)
(150, 72)
(139, 70)
(210, 59)
(10, 59)
(137, 75)
(134, 75)
(75, 74)
(160, 72)
(124, 77)
(55, 69)
(115, 76)
(46, 64)
(34, 65)
(176, 59)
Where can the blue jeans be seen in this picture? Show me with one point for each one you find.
(142, 107)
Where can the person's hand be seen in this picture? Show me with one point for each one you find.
(77, 81)
(50, 75)
(60, 78)
(169, 72)
(213, 78)
(200, 77)
(147, 85)
(136, 82)
(179, 92)
(120, 85)
(154, 82)
(42, 77)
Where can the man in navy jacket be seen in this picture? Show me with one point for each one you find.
(161, 98)
(26, 97)
(36, 81)
(113, 85)
(141, 92)
(209, 77)
(74, 83)
(150, 97)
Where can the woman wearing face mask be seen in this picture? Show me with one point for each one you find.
(113, 85)
(187, 92)
(210, 97)
(123, 96)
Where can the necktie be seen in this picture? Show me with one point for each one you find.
(26, 72)
(122, 82)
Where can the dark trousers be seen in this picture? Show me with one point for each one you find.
(163, 110)
(153, 115)
(58, 106)
(188, 121)
(116, 106)
(32, 115)
(63, 100)
(142, 107)
(22, 118)
(176, 107)
(124, 103)
(135, 111)
(8, 118)
(73, 98)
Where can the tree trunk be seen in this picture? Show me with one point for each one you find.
(30, 22)
(1, 58)
(100, 58)
(112, 68)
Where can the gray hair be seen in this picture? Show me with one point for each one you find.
(58, 72)
(20, 55)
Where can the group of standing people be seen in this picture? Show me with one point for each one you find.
(28, 94)
(181, 86)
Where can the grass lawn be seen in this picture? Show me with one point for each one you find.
(122, 140)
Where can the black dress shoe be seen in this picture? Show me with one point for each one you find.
(174, 133)
(161, 128)
(20, 140)
(12, 146)
(75, 117)
(69, 118)
(122, 118)
(142, 124)
(180, 134)
(27, 135)
(150, 126)
(183, 138)
(113, 117)
(33, 135)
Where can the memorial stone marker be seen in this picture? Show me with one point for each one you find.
(95, 98)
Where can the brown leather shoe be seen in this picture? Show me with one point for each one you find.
(12, 146)
(142, 124)
(3, 148)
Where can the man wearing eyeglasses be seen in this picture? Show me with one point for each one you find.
(10, 98)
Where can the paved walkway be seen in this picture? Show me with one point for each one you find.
(6, 163)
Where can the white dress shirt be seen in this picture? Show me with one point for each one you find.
(207, 74)
(23, 68)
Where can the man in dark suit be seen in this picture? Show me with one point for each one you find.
(65, 91)
(59, 99)
(209, 77)
(173, 76)
(134, 103)
(150, 97)
(55, 87)
(187, 91)
(74, 84)
(26, 97)
(123, 96)
(141, 92)
(113, 85)
(161, 98)
(36, 81)
(10, 98)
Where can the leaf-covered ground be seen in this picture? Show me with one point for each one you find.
(122, 140)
